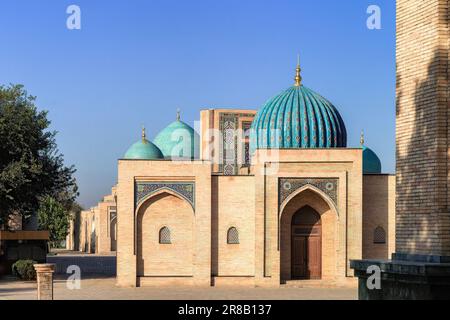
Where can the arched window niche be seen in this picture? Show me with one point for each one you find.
(232, 236)
(164, 236)
(379, 235)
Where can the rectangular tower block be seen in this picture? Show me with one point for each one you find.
(423, 217)
(420, 268)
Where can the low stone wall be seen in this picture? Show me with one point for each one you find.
(89, 264)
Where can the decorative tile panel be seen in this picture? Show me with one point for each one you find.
(246, 127)
(228, 151)
(288, 186)
(184, 189)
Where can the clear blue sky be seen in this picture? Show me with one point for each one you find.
(134, 62)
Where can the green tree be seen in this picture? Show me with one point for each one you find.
(52, 216)
(31, 166)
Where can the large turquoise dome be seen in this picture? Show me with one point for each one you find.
(298, 118)
(143, 150)
(178, 140)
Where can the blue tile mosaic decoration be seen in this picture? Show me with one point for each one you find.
(186, 190)
(287, 186)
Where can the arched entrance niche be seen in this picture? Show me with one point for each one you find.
(113, 232)
(155, 258)
(308, 237)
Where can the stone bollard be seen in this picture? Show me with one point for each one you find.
(44, 274)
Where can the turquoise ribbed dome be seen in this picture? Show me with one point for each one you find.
(143, 150)
(298, 118)
(178, 140)
(371, 162)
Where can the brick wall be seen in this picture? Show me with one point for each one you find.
(233, 206)
(102, 228)
(194, 257)
(378, 211)
(423, 221)
(87, 241)
(176, 258)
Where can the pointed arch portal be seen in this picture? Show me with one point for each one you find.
(308, 236)
(164, 236)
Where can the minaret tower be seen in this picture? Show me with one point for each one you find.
(422, 171)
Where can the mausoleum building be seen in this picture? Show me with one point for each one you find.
(256, 198)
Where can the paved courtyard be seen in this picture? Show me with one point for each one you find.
(105, 289)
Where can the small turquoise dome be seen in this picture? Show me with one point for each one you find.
(371, 162)
(143, 150)
(298, 118)
(178, 140)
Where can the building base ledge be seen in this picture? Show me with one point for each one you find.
(402, 279)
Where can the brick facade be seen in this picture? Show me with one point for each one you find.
(199, 253)
(137, 231)
(378, 212)
(233, 206)
(93, 230)
(423, 218)
(165, 259)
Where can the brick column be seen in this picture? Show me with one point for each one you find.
(420, 266)
(44, 274)
(423, 133)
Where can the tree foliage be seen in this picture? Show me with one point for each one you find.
(52, 216)
(31, 167)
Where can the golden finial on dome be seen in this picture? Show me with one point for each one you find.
(362, 138)
(298, 77)
(178, 114)
(144, 137)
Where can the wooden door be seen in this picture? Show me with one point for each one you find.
(306, 245)
(314, 257)
(299, 266)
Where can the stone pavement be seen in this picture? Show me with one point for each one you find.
(105, 289)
